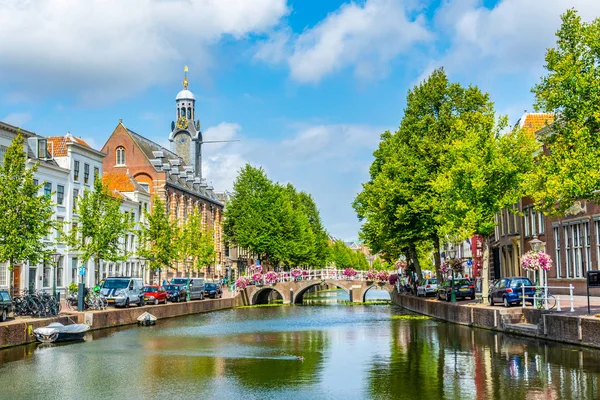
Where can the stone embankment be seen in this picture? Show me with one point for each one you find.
(548, 325)
(20, 330)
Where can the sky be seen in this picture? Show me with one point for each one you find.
(307, 87)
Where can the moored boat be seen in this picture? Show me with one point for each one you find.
(57, 332)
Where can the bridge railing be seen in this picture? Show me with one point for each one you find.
(317, 274)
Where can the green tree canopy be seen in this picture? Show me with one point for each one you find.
(195, 244)
(26, 216)
(101, 226)
(569, 168)
(158, 237)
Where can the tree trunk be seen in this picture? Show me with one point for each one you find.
(415, 259)
(485, 273)
(436, 257)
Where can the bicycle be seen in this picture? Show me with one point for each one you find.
(541, 299)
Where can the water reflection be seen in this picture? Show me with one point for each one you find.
(358, 352)
(331, 295)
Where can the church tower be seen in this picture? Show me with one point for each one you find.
(186, 137)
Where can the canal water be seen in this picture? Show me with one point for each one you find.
(301, 352)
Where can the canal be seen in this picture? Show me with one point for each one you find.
(301, 352)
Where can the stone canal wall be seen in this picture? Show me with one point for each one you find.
(580, 330)
(20, 331)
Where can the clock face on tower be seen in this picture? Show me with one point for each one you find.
(182, 123)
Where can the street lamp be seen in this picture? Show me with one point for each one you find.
(536, 244)
(55, 258)
(187, 289)
(452, 254)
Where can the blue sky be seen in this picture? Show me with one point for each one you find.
(307, 86)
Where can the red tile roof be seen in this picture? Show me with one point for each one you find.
(533, 122)
(57, 145)
(118, 181)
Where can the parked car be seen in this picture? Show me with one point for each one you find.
(196, 286)
(509, 291)
(463, 288)
(155, 294)
(427, 287)
(5, 305)
(123, 291)
(213, 290)
(176, 293)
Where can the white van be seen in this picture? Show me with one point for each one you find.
(123, 291)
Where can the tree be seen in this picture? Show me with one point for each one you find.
(340, 255)
(158, 238)
(400, 205)
(569, 168)
(485, 171)
(196, 245)
(101, 227)
(320, 236)
(26, 216)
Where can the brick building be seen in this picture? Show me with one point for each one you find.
(173, 175)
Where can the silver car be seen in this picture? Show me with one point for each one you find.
(427, 287)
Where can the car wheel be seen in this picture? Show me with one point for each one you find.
(142, 302)
(155, 301)
(506, 303)
(3, 317)
(437, 296)
(491, 300)
(127, 303)
(165, 301)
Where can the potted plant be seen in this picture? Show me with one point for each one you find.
(271, 278)
(349, 273)
(382, 277)
(257, 278)
(296, 273)
(242, 282)
(371, 275)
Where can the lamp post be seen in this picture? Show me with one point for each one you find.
(537, 245)
(187, 288)
(55, 258)
(452, 254)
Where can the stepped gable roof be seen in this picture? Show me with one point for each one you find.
(533, 122)
(122, 182)
(59, 144)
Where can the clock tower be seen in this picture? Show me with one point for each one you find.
(186, 137)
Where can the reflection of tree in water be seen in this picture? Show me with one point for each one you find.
(442, 360)
(271, 372)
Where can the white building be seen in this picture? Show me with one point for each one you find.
(67, 167)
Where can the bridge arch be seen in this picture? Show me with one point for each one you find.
(298, 297)
(388, 288)
(261, 296)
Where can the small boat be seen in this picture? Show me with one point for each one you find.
(57, 332)
(146, 319)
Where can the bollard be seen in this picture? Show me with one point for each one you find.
(546, 297)
(571, 296)
(80, 296)
(558, 304)
(523, 297)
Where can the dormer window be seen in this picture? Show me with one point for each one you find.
(120, 156)
(42, 148)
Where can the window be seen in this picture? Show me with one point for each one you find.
(526, 221)
(42, 148)
(60, 194)
(120, 156)
(47, 275)
(74, 269)
(59, 271)
(540, 223)
(76, 170)
(189, 112)
(47, 189)
(86, 173)
(183, 111)
(567, 236)
(75, 197)
(60, 224)
(96, 172)
(4, 274)
(533, 221)
(556, 230)
(145, 186)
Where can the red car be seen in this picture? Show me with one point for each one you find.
(155, 294)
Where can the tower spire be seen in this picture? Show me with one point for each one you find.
(185, 80)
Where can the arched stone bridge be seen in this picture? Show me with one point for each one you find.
(292, 291)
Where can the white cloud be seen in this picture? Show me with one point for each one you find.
(328, 161)
(17, 119)
(364, 37)
(510, 38)
(111, 48)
